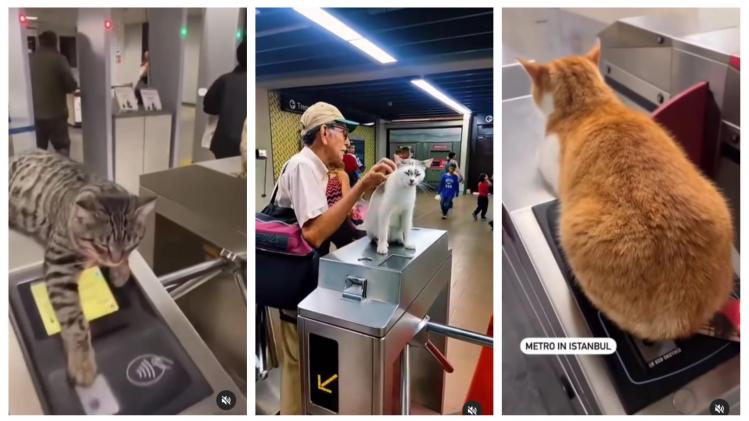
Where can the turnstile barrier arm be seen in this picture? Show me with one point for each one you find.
(460, 334)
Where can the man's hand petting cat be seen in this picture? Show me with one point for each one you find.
(378, 174)
(386, 163)
(373, 179)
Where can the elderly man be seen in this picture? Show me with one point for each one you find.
(302, 186)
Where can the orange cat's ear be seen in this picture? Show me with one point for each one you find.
(534, 70)
(594, 54)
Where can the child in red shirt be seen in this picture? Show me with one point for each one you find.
(483, 199)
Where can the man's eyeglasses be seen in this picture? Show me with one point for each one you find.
(344, 130)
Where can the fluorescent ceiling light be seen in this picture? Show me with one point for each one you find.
(368, 124)
(329, 22)
(374, 51)
(340, 29)
(431, 90)
(404, 120)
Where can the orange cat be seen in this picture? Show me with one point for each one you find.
(648, 237)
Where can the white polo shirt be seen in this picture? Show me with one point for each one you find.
(302, 186)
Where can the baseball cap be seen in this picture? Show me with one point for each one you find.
(320, 113)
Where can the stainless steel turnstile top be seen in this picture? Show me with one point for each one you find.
(716, 33)
(208, 202)
(522, 133)
(393, 281)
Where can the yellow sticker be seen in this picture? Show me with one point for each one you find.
(95, 295)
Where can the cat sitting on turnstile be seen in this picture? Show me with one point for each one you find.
(391, 208)
(648, 237)
(82, 221)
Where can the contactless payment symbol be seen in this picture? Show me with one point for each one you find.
(147, 369)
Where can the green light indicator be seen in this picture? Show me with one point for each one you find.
(239, 34)
(183, 32)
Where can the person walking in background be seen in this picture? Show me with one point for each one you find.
(448, 189)
(145, 66)
(359, 164)
(51, 81)
(483, 198)
(351, 164)
(452, 161)
(338, 186)
(227, 98)
(402, 154)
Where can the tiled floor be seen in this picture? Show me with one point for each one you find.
(471, 286)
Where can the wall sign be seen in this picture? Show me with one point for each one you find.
(293, 105)
(125, 96)
(151, 99)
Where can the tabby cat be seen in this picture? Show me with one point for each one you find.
(648, 237)
(82, 221)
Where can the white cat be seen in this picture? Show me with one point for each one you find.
(548, 162)
(391, 208)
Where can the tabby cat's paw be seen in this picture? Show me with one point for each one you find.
(119, 275)
(382, 247)
(82, 367)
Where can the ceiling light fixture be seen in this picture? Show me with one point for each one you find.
(340, 29)
(431, 90)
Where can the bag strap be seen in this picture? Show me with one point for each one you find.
(275, 189)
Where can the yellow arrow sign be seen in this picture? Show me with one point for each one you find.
(321, 384)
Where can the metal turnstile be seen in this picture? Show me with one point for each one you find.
(650, 59)
(367, 313)
(150, 359)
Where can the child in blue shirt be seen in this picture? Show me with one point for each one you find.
(448, 189)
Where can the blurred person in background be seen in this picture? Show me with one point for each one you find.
(51, 81)
(227, 99)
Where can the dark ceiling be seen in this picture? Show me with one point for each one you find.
(399, 99)
(288, 44)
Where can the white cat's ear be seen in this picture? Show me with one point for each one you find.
(594, 54)
(427, 163)
(534, 70)
(145, 206)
